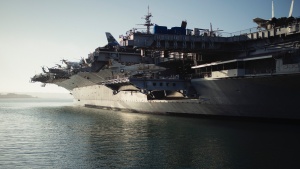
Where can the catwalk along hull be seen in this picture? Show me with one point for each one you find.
(261, 96)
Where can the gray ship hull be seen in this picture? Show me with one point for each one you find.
(274, 96)
(260, 96)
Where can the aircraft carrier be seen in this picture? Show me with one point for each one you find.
(250, 73)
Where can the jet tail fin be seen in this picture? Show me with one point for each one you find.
(291, 9)
(111, 40)
(273, 15)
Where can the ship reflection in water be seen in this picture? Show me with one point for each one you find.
(73, 137)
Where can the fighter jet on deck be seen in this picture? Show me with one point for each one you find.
(276, 22)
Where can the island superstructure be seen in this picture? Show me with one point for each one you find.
(251, 73)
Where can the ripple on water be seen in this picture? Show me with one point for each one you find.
(34, 135)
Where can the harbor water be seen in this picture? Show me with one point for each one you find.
(41, 133)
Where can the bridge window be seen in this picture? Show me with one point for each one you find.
(160, 84)
(154, 84)
(174, 84)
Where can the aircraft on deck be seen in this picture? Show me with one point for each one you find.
(75, 65)
(135, 68)
(113, 44)
(276, 22)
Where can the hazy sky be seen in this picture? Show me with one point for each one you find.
(35, 33)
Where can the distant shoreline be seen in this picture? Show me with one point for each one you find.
(14, 95)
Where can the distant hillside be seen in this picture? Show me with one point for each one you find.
(14, 95)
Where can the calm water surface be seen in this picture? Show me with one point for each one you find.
(37, 133)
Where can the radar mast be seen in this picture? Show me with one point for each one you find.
(148, 21)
